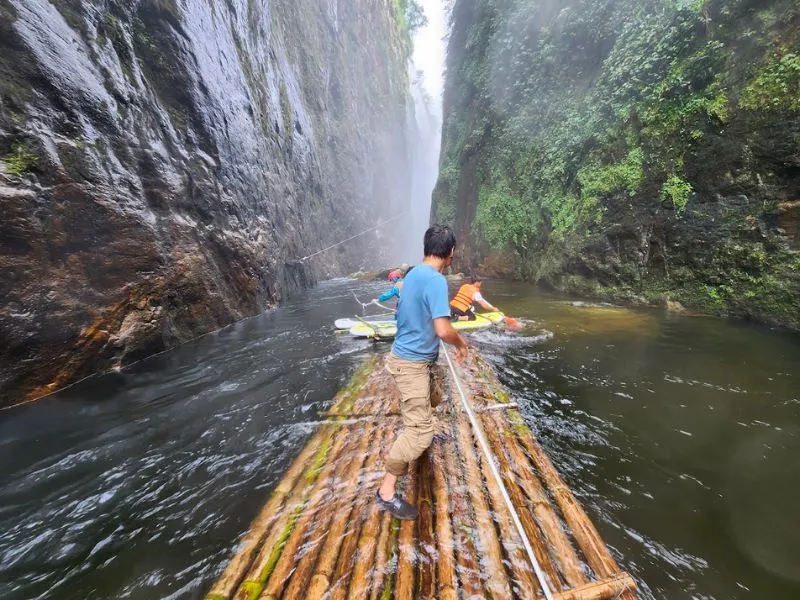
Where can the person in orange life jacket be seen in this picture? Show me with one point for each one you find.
(396, 277)
(461, 306)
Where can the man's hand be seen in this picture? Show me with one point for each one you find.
(462, 352)
(444, 329)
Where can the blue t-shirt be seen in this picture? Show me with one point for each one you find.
(424, 298)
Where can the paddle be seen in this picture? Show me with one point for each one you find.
(510, 322)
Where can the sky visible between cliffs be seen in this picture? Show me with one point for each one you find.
(429, 48)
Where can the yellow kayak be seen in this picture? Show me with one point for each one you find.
(388, 330)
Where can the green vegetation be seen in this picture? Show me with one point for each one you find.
(777, 86)
(678, 191)
(596, 143)
(20, 161)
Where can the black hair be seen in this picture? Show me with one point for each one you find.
(439, 241)
(474, 279)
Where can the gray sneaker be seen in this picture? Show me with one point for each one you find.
(398, 507)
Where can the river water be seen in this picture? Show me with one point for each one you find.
(680, 435)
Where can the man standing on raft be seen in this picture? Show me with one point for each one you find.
(423, 317)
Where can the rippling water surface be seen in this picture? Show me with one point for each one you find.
(680, 435)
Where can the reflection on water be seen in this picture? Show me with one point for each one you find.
(679, 434)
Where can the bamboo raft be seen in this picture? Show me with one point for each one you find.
(321, 534)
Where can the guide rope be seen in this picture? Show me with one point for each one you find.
(490, 460)
(352, 237)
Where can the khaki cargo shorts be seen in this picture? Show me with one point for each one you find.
(421, 390)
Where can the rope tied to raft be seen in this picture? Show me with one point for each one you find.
(490, 460)
(352, 237)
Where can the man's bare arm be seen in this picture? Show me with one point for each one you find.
(444, 329)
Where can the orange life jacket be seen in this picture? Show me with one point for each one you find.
(463, 298)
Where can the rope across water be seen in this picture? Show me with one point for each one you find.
(352, 237)
(490, 460)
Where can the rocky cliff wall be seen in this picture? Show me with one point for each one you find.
(629, 149)
(166, 164)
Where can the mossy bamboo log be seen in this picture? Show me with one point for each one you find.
(597, 554)
(407, 547)
(524, 576)
(383, 582)
(520, 477)
(491, 559)
(320, 554)
(344, 564)
(445, 560)
(292, 481)
(382, 557)
(467, 561)
(612, 588)
(361, 578)
(275, 569)
(426, 572)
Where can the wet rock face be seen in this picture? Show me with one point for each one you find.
(629, 150)
(165, 166)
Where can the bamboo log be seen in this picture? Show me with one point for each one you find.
(361, 577)
(426, 572)
(275, 570)
(326, 545)
(404, 580)
(445, 564)
(382, 557)
(344, 564)
(519, 475)
(282, 526)
(607, 589)
(540, 547)
(323, 573)
(497, 584)
(387, 549)
(467, 562)
(238, 565)
(523, 575)
(354, 389)
(587, 537)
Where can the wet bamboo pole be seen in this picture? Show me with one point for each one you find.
(324, 569)
(347, 551)
(445, 563)
(524, 576)
(383, 580)
(587, 537)
(361, 577)
(383, 557)
(519, 475)
(288, 493)
(497, 584)
(311, 575)
(237, 567)
(620, 586)
(277, 578)
(467, 562)
(426, 588)
(543, 548)
(282, 526)
(404, 579)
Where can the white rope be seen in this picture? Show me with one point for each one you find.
(352, 237)
(490, 459)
